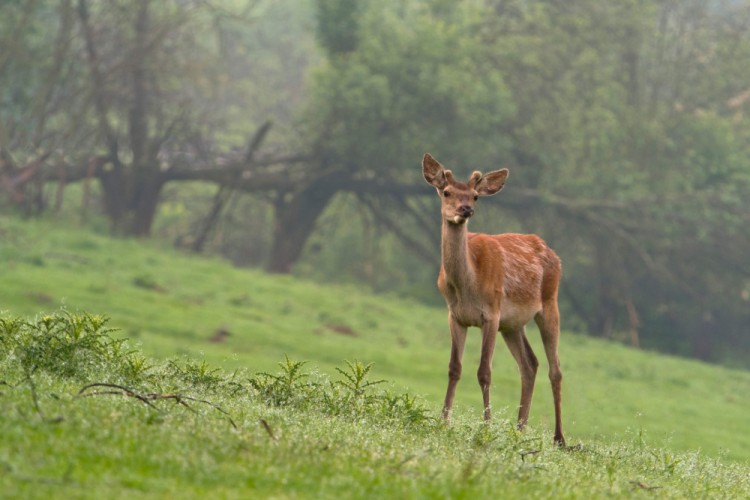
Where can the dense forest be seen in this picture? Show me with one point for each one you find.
(288, 135)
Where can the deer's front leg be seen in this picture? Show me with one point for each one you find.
(484, 373)
(458, 340)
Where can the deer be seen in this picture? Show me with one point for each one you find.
(497, 283)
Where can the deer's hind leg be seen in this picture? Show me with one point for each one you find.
(548, 321)
(527, 366)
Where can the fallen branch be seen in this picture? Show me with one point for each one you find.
(644, 486)
(120, 390)
(35, 401)
(528, 452)
(123, 391)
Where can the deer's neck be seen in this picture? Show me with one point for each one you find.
(459, 270)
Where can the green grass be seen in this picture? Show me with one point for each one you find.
(170, 304)
(182, 428)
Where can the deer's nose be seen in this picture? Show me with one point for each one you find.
(465, 211)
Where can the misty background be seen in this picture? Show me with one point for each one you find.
(287, 135)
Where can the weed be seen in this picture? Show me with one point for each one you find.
(405, 407)
(197, 373)
(136, 367)
(63, 344)
(667, 460)
(356, 377)
(284, 388)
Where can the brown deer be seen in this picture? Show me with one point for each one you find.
(497, 283)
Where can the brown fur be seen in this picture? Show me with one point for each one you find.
(497, 283)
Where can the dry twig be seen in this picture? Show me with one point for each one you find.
(121, 390)
(644, 486)
(268, 429)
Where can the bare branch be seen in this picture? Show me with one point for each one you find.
(412, 243)
(62, 44)
(12, 40)
(256, 141)
(121, 390)
(100, 100)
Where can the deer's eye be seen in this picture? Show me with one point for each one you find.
(446, 193)
(476, 197)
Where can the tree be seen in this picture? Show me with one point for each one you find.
(144, 98)
(624, 108)
(31, 102)
(137, 94)
(376, 106)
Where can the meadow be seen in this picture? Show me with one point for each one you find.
(234, 382)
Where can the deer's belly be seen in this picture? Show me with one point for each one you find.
(514, 315)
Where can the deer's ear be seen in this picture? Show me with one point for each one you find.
(475, 177)
(492, 182)
(433, 172)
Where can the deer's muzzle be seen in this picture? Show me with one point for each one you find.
(465, 211)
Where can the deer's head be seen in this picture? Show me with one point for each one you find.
(458, 198)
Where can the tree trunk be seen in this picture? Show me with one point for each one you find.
(295, 222)
(606, 304)
(145, 203)
(223, 194)
(131, 199)
(113, 192)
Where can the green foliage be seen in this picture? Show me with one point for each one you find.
(623, 155)
(352, 397)
(287, 386)
(64, 344)
(196, 373)
(355, 378)
(37, 32)
(404, 91)
(636, 160)
(338, 25)
(415, 83)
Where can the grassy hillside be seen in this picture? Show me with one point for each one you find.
(170, 304)
(84, 416)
